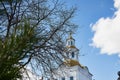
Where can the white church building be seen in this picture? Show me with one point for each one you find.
(72, 69)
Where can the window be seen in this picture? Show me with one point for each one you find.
(63, 78)
(68, 42)
(73, 55)
(71, 78)
(48, 79)
(71, 43)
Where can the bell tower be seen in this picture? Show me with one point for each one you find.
(72, 50)
(70, 41)
(71, 69)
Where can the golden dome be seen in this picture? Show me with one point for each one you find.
(71, 63)
(70, 46)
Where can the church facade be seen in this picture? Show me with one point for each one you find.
(72, 70)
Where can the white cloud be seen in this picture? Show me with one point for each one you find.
(117, 4)
(107, 33)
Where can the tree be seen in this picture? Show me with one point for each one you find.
(32, 32)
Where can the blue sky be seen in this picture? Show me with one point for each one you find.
(98, 36)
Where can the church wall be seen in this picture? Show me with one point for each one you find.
(84, 74)
(67, 73)
(76, 72)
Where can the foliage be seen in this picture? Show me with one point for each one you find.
(32, 32)
(13, 49)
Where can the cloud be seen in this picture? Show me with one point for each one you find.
(107, 33)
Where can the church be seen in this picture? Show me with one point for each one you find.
(72, 69)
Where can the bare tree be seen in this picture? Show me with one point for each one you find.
(33, 32)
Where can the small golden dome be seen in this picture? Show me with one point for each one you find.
(70, 46)
(71, 63)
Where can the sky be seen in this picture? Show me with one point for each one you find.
(98, 36)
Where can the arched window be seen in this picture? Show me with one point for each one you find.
(48, 79)
(73, 54)
(68, 42)
(63, 78)
(71, 43)
(71, 77)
